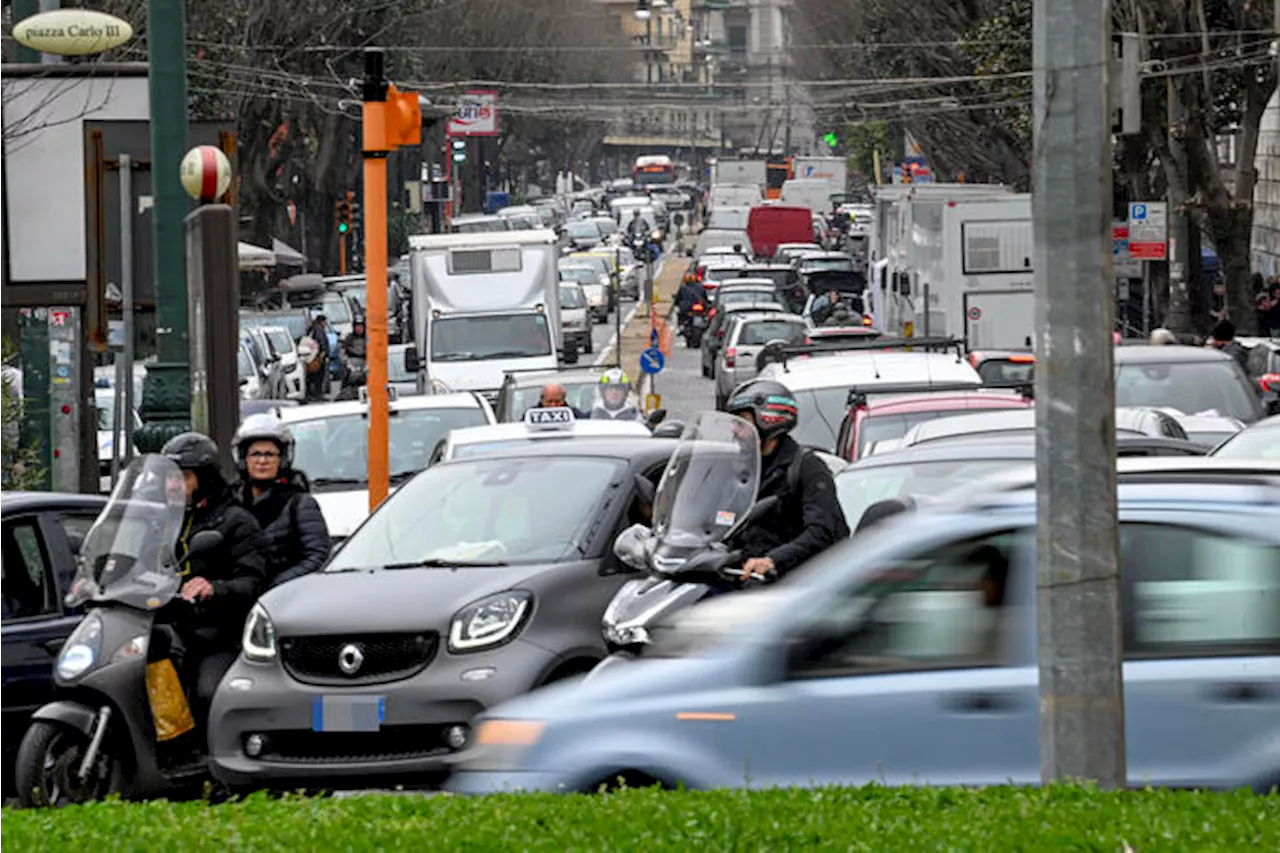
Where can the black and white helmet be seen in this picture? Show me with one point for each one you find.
(263, 427)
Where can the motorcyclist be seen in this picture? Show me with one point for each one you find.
(279, 497)
(222, 582)
(615, 388)
(807, 518)
(690, 294)
(637, 228)
(355, 345)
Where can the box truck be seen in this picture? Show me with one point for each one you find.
(752, 172)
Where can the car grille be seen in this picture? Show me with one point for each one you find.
(387, 657)
(392, 743)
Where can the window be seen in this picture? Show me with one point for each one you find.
(1192, 592)
(761, 332)
(76, 527)
(481, 337)
(944, 610)
(1190, 387)
(27, 578)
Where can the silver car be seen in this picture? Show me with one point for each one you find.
(746, 336)
(574, 322)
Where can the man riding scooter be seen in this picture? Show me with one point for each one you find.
(807, 518)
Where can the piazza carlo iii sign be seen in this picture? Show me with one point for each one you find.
(72, 32)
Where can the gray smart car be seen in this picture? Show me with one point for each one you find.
(478, 580)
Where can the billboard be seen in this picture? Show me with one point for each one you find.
(477, 115)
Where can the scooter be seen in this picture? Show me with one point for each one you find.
(704, 504)
(100, 736)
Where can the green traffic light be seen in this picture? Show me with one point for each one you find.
(831, 140)
(343, 227)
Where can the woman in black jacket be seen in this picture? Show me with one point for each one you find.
(279, 498)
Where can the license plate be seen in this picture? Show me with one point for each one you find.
(348, 713)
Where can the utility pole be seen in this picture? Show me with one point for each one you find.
(166, 396)
(390, 119)
(1178, 318)
(1078, 590)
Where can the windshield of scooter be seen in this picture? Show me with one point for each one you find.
(710, 481)
(128, 554)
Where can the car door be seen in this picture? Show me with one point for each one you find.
(912, 675)
(1202, 645)
(35, 623)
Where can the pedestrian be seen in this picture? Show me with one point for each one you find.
(1224, 338)
(279, 497)
(318, 367)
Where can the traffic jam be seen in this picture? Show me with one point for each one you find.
(795, 548)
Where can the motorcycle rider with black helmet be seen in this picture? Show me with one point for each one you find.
(808, 518)
(279, 497)
(222, 583)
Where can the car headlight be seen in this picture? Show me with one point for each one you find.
(489, 621)
(259, 640)
(81, 649)
(627, 635)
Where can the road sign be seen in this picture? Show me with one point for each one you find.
(1148, 231)
(975, 313)
(477, 115)
(1124, 264)
(652, 361)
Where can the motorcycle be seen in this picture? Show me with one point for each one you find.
(119, 693)
(703, 505)
(693, 325)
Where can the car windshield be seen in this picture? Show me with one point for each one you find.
(1260, 442)
(582, 229)
(778, 277)
(244, 364)
(606, 226)
(821, 412)
(106, 406)
(827, 265)
(859, 488)
(580, 394)
(571, 298)
(1002, 370)
(888, 427)
(480, 226)
(582, 275)
(486, 509)
(356, 295)
(295, 323)
(493, 337)
(1191, 387)
(280, 341)
(737, 298)
(760, 332)
(334, 451)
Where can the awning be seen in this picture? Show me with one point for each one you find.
(286, 255)
(255, 257)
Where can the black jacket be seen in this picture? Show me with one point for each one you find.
(803, 524)
(297, 536)
(1238, 351)
(237, 568)
(355, 346)
(689, 293)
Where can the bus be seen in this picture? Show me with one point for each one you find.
(653, 170)
(778, 173)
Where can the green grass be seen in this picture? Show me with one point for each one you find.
(870, 818)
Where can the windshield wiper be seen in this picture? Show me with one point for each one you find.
(435, 563)
(511, 353)
(338, 481)
(454, 356)
(400, 476)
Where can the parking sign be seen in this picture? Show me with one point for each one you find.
(1148, 231)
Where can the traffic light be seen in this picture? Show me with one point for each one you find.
(398, 124)
(459, 150)
(353, 205)
(342, 213)
(831, 140)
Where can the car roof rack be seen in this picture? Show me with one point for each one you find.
(779, 352)
(858, 395)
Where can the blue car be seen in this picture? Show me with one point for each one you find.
(908, 656)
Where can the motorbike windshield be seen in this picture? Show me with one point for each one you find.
(128, 553)
(710, 481)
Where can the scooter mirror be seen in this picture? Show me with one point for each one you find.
(629, 547)
(656, 417)
(203, 542)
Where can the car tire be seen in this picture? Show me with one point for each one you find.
(49, 749)
(589, 346)
(706, 372)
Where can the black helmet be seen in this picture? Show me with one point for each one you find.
(191, 451)
(770, 402)
(263, 427)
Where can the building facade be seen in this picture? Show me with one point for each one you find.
(1265, 241)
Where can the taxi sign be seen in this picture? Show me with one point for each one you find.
(560, 417)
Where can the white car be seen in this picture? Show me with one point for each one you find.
(478, 440)
(575, 325)
(332, 449)
(594, 290)
(285, 350)
(1209, 430)
(820, 384)
(249, 373)
(104, 401)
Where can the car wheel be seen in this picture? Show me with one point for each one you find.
(706, 371)
(48, 764)
(589, 347)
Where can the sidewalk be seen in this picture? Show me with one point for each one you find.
(635, 336)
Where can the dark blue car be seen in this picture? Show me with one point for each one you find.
(42, 532)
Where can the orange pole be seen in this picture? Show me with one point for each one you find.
(342, 254)
(375, 282)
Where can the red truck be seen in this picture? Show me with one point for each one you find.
(771, 224)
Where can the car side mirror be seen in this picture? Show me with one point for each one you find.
(244, 382)
(412, 363)
(631, 546)
(75, 543)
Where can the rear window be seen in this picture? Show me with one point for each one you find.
(1192, 388)
(760, 332)
(999, 370)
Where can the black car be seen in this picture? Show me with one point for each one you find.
(42, 533)
(478, 580)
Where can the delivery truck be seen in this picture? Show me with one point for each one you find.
(753, 172)
(483, 304)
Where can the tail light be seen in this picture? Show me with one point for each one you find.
(698, 308)
(1270, 382)
(973, 360)
(731, 357)
(712, 314)
(1022, 359)
(866, 321)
